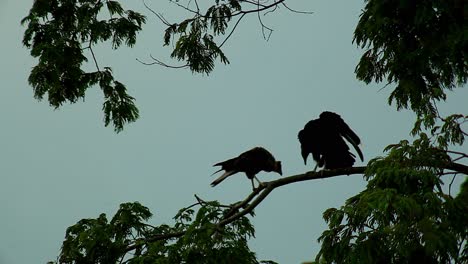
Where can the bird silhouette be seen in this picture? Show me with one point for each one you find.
(250, 162)
(323, 138)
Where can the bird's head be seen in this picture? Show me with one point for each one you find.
(278, 168)
(304, 151)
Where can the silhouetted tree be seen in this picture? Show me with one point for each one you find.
(417, 46)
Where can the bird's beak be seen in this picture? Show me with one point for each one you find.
(279, 168)
(304, 155)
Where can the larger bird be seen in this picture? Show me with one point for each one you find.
(323, 138)
(250, 162)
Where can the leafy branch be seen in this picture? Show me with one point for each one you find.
(420, 48)
(195, 39)
(58, 32)
(215, 230)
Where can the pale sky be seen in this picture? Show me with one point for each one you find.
(59, 166)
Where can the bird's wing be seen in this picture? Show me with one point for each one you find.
(352, 138)
(216, 171)
(344, 130)
(355, 145)
(222, 177)
(260, 153)
(312, 138)
(227, 164)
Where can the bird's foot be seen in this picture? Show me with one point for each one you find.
(261, 185)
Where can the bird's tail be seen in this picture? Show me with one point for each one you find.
(216, 171)
(222, 177)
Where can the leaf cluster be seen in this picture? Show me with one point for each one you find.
(419, 45)
(100, 241)
(195, 36)
(449, 131)
(403, 216)
(59, 32)
(196, 237)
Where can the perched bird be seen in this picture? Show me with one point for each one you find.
(250, 162)
(323, 138)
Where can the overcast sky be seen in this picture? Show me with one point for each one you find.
(59, 166)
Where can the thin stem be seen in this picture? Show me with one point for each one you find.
(159, 16)
(94, 57)
(232, 31)
(450, 185)
(297, 11)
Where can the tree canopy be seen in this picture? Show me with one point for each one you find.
(417, 47)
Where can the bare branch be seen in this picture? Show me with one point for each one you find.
(158, 62)
(274, 4)
(263, 25)
(254, 3)
(94, 57)
(196, 4)
(450, 185)
(297, 11)
(458, 153)
(159, 16)
(270, 11)
(197, 13)
(232, 31)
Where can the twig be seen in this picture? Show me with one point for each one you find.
(458, 153)
(254, 3)
(202, 202)
(94, 57)
(156, 61)
(450, 185)
(271, 11)
(196, 4)
(159, 16)
(232, 31)
(297, 11)
(186, 8)
(263, 25)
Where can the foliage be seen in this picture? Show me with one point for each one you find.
(197, 40)
(59, 32)
(195, 43)
(403, 216)
(419, 45)
(196, 237)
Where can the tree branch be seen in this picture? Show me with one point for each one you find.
(267, 187)
(458, 167)
(260, 193)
